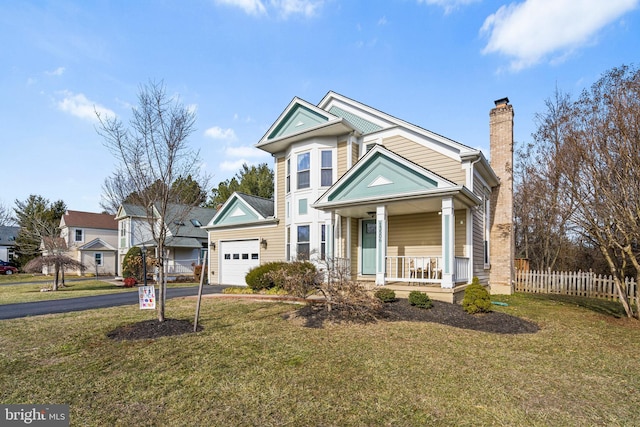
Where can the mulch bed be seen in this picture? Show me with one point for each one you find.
(316, 316)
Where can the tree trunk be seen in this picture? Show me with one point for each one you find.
(55, 278)
(161, 284)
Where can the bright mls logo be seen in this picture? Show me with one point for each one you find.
(35, 415)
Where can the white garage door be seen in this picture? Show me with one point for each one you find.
(238, 257)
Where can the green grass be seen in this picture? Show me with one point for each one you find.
(24, 277)
(250, 367)
(10, 294)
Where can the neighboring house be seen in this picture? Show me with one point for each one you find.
(186, 239)
(90, 238)
(388, 201)
(8, 242)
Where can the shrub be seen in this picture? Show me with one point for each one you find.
(420, 299)
(132, 263)
(130, 282)
(197, 271)
(299, 278)
(258, 278)
(476, 298)
(385, 295)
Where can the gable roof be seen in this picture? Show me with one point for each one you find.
(384, 176)
(302, 120)
(8, 235)
(182, 220)
(245, 209)
(88, 220)
(97, 244)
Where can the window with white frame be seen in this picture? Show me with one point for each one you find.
(79, 236)
(303, 242)
(487, 230)
(323, 242)
(123, 229)
(326, 168)
(288, 244)
(304, 172)
(288, 173)
(98, 258)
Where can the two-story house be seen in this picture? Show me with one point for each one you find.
(91, 238)
(391, 202)
(186, 238)
(8, 235)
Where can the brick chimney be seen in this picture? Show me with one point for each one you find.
(502, 239)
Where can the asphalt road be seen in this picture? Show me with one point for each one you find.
(24, 309)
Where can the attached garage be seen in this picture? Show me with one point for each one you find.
(237, 257)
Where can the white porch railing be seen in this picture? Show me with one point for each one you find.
(426, 269)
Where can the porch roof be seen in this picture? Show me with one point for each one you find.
(402, 204)
(382, 177)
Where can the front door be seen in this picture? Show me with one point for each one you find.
(368, 247)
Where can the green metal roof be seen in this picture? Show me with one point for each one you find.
(364, 126)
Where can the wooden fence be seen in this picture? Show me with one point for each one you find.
(579, 283)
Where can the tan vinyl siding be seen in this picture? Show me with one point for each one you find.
(478, 235)
(421, 234)
(274, 235)
(415, 235)
(355, 153)
(427, 158)
(342, 158)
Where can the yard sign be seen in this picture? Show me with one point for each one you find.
(147, 297)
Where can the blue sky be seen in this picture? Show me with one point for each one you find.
(439, 64)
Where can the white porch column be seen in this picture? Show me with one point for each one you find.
(448, 243)
(381, 243)
(328, 238)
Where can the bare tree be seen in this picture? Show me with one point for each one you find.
(56, 260)
(599, 163)
(542, 207)
(153, 153)
(5, 215)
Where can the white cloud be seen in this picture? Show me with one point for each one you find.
(252, 7)
(57, 72)
(245, 151)
(448, 5)
(78, 105)
(296, 7)
(284, 8)
(530, 31)
(219, 133)
(233, 166)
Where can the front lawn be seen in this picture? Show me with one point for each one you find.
(249, 366)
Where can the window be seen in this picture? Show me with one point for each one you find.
(79, 236)
(302, 206)
(323, 242)
(98, 258)
(196, 223)
(326, 169)
(288, 175)
(123, 229)
(303, 242)
(288, 244)
(304, 165)
(487, 230)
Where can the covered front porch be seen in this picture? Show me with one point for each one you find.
(397, 222)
